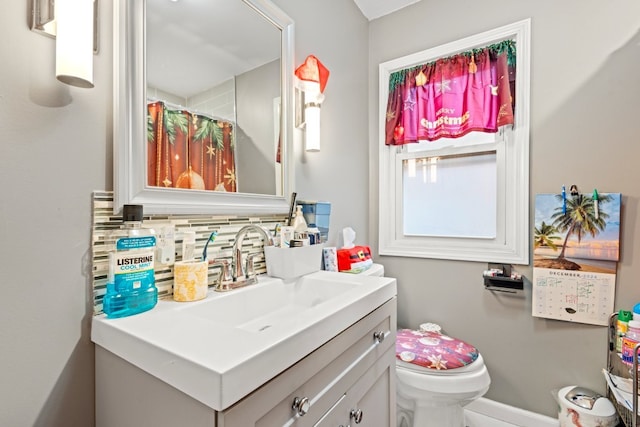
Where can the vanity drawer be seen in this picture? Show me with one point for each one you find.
(322, 377)
(371, 398)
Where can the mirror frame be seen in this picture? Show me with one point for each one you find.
(129, 156)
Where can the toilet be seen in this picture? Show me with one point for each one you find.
(436, 375)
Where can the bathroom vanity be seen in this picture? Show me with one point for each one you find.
(315, 352)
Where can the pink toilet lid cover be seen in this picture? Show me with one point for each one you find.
(433, 350)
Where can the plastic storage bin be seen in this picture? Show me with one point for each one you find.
(290, 263)
(317, 213)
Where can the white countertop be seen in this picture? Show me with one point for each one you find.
(211, 351)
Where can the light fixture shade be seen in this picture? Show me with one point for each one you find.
(74, 42)
(313, 70)
(312, 132)
(312, 78)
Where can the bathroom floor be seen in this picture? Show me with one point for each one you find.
(474, 419)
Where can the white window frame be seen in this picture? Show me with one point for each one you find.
(511, 244)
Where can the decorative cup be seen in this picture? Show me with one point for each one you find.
(190, 280)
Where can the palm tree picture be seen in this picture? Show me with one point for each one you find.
(545, 235)
(571, 230)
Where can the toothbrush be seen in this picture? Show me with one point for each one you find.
(291, 207)
(211, 239)
(564, 201)
(596, 208)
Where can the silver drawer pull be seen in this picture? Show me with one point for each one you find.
(378, 336)
(356, 415)
(301, 406)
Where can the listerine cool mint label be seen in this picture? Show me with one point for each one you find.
(133, 265)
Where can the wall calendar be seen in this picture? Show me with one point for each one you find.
(576, 249)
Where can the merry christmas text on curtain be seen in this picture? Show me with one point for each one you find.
(189, 150)
(452, 96)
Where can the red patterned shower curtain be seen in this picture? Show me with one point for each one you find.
(189, 150)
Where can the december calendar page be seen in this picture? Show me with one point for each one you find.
(576, 249)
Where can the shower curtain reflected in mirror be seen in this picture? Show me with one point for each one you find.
(189, 150)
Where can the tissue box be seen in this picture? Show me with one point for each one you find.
(330, 258)
(290, 263)
(317, 213)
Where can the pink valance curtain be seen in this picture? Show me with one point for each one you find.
(471, 91)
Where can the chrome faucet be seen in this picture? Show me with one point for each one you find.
(242, 275)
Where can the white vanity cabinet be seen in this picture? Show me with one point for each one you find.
(347, 381)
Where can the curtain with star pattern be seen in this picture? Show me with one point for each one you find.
(452, 96)
(189, 150)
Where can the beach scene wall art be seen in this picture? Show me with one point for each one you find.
(575, 252)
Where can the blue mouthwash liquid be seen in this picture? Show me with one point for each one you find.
(131, 285)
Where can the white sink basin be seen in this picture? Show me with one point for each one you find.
(271, 304)
(220, 349)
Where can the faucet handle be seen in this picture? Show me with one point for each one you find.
(236, 263)
(250, 267)
(225, 273)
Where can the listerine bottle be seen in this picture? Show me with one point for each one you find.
(131, 286)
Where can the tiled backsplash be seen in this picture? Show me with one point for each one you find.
(104, 222)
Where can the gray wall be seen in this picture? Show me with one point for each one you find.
(584, 131)
(55, 149)
(336, 33)
(255, 145)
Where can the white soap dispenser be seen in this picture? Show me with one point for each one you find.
(299, 223)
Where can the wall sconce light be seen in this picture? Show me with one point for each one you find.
(312, 79)
(312, 122)
(74, 24)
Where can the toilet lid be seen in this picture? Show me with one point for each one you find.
(433, 350)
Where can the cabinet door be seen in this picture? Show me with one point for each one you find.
(374, 407)
(337, 415)
(372, 398)
(370, 402)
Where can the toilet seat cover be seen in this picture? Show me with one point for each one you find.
(433, 350)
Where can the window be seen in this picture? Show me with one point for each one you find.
(462, 198)
(431, 174)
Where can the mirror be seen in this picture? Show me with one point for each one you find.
(173, 172)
